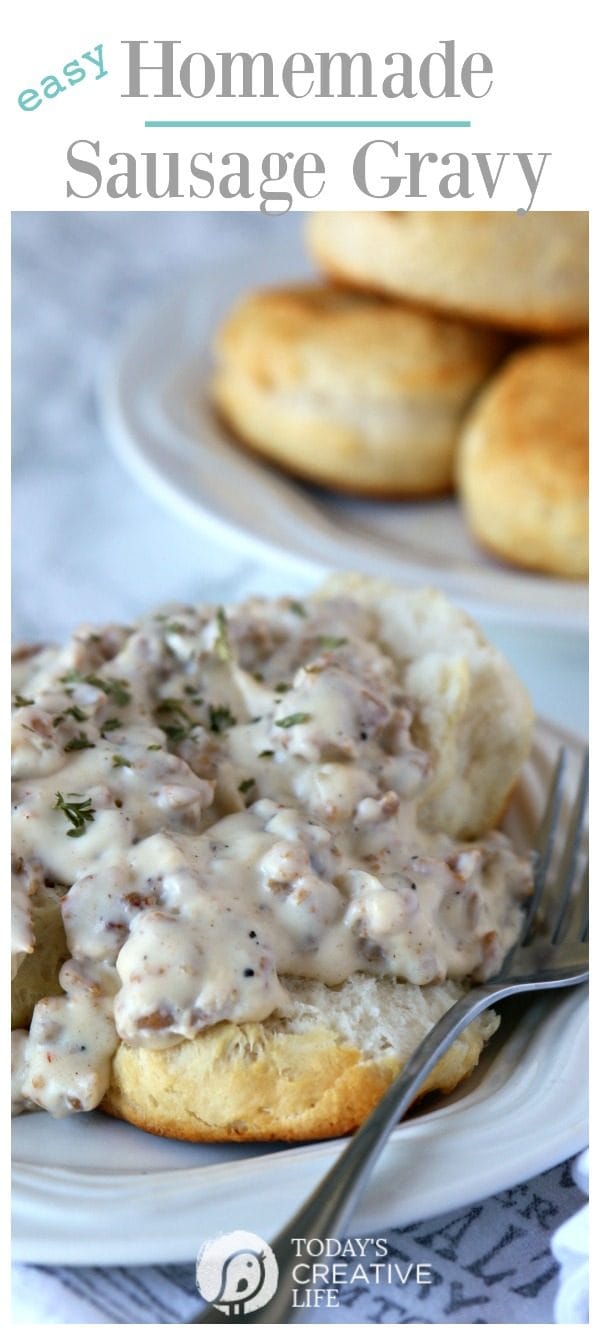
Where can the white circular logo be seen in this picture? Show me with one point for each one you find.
(236, 1272)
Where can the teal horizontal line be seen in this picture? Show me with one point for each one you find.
(306, 125)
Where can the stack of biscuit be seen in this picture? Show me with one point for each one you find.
(440, 350)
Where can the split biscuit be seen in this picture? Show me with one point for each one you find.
(352, 392)
(315, 1073)
(522, 464)
(525, 273)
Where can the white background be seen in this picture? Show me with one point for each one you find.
(539, 102)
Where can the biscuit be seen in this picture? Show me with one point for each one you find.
(315, 1066)
(522, 273)
(314, 1074)
(348, 391)
(522, 465)
(473, 714)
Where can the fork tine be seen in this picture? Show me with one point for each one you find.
(545, 841)
(568, 866)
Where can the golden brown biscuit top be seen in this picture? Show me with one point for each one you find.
(535, 414)
(291, 337)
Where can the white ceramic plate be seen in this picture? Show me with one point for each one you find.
(157, 409)
(92, 1191)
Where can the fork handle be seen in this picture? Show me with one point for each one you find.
(336, 1193)
(334, 1196)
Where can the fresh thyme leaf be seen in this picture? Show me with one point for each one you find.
(298, 609)
(156, 746)
(222, 645)
(291, 720)
(78, 813)
(282, 686)
(220, 718)
(171, 705)
(21, 701)
(246, 785)
(262, 755)
(116, 687)
(331, 641)
(75, 712)
(120, 761)
(111, 724)
(177, 732)
(80, 743)
(258, 676)
(175, 627)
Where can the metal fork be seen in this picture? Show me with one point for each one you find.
(551, 952)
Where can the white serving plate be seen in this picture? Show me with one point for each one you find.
(157, 410)
(92, 1191)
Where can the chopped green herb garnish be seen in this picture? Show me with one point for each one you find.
(116, 687)
(156, 746)
(332, 641)
(21, 701)
(258, 676)
(190, 690)
(298, 609)
(282, 686)
(222, 645)
(78, 813)
(177, 732)
(80, 743)
(173, 706)
(220, 718)
(246, 785)
(291, 720)
(111, 724)
(175, 627)
(113, 686)
(262, 755)
(120, 761)
(75, 712)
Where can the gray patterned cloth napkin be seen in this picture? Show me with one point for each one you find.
(488, 1263)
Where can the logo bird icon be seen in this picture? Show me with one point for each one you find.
(242, 1279)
